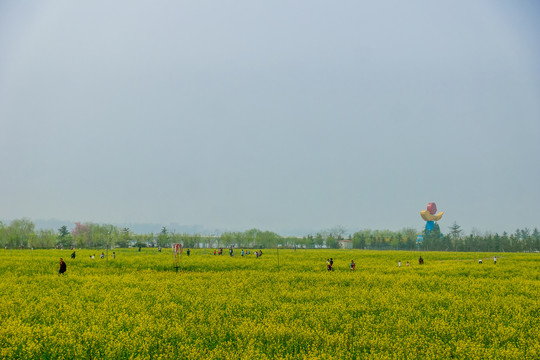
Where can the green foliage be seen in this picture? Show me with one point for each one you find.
(163, 238)
(3, 236)
(432, 239)
(124, 238)
(64, 238)
(21, 233)
(44, 239)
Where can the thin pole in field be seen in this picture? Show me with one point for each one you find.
(175, 249)
(277, 250)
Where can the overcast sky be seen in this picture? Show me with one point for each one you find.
(280, 115)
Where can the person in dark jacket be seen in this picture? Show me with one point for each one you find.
(63, 267)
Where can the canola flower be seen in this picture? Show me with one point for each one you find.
(220, 307)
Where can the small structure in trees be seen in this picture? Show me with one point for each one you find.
(345, 244)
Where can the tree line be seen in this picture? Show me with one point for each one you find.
(21, 233)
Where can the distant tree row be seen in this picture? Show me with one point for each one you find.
(21, 233)
(522, 240)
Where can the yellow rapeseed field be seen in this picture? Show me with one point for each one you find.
(137, 306)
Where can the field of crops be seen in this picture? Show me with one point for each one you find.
(220, 307)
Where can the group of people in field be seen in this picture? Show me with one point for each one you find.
(352, 266)
(420, 262)
(63, 266)
(329, 262)
(330, 265)
(242, 252)
(93, 256)
(494, 260)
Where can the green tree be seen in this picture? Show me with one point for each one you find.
(226, 239)
(102, 236)
(395, 241)
(187, 240)
(195, 240)
(175, 238)
(141, 240)
(3, 235)
(505, 242)
(251, 237)
(19, 232)
(332, 241)
(124, 238)
(64, 238)
(268, 239)
(319, 240)
(455, 231)
(163, 238)
(410, 236)
(536, 239)
(359, 239)
(45, 239)
(456, 237)
(432, 239)
(309, 241)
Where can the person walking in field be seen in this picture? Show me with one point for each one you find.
(399, 263)
(420, 260)
(353, 265)
(73, 255)
(495, 260)
(331, 264)
(188, 252)
(113, 255)
(63, 267)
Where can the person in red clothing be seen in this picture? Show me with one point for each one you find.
(63, 267)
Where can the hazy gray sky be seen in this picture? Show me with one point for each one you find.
(278, 115)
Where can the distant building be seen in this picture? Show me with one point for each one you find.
(345, 244)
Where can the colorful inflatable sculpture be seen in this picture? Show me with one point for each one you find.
(430, 215)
